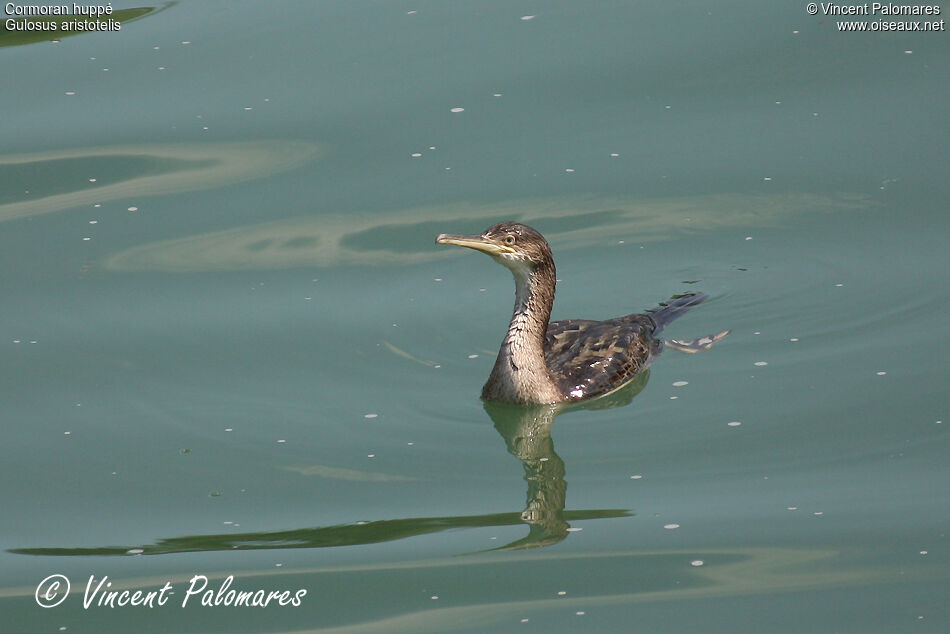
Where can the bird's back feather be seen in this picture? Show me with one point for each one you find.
(591, 358)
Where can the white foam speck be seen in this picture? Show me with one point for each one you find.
(671, 527)
(457, 110)
(761, 363)
(881, 373)
(696, 562)
(473, 356)
(636, 477)
(370, 415)
(680, 383)
(734, 423)
(133, 208)
(525, 18)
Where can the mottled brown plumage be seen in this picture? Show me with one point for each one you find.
(570, 360)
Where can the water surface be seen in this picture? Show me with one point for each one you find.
(229, 346)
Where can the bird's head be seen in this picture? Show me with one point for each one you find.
(512, 244)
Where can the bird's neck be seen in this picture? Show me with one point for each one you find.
(520, 374)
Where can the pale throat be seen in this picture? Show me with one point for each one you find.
(521, 357)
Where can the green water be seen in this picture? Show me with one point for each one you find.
(229, 346)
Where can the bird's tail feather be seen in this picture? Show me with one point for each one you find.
(674, 307)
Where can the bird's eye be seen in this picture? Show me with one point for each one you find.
(509, 240)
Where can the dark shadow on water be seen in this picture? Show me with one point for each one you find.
(527, 434)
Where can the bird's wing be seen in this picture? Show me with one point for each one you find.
(590, 358)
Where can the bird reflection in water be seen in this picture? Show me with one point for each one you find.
(527, 433)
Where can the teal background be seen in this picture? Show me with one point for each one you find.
(267, 369)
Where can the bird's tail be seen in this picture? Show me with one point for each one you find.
(677, 305)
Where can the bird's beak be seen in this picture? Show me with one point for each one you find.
(479, 243)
